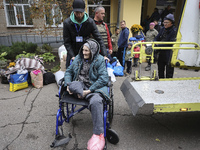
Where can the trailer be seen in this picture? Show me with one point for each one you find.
(149, 94)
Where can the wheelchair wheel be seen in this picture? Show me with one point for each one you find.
(112, 136)
(111, 107)
(64, 106)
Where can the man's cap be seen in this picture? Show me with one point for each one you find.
(170, 17)
(78, 5)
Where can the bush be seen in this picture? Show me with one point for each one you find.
(31, 47)
(3, 61)
(48, 57)
(25, 55)
(47, 48)
(4, 49)
(18, 48)
(28, 50)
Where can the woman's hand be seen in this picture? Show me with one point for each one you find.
(69, 90)
(85, 92)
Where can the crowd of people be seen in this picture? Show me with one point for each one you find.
(85, 38)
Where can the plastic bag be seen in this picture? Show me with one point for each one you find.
(59, 75)
(22, 71)
(118, 71)
(37, 78)
(18, 82)
(97, 142)
(110, 73)
(109, 66)
(118, 63)
(62, 53)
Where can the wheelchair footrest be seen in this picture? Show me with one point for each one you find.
(61, 140)
(72, 100)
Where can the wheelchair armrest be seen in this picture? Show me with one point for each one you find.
(61, 82)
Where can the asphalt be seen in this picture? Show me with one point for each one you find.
(28, 119)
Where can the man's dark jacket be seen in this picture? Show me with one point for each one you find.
(88, 28)
(123, 38)
(166, 35)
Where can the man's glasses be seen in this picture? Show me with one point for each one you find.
(166, 22)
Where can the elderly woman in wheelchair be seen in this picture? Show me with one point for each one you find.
(87, 81)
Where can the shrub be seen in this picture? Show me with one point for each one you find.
(5, 49)
(2, 56)
(25, 55)
(48, 57)
(3, 61)
(31, 47)
(47, 48)
(18, 48)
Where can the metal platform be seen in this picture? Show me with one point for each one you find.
(161, 96)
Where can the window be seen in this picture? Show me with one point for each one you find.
(92, 4)
(53, 16)
(18, 13)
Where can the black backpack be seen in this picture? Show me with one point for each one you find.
(48, 78)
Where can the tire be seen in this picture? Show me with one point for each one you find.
(112, 136)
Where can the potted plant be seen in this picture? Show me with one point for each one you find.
(135, 29)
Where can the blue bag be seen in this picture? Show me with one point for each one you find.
(114, 64)
(109, 66)
(118, 71)
(18, 81)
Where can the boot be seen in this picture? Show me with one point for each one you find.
(148, 67)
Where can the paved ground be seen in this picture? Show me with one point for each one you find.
(28, 123)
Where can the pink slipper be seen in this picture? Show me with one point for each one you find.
(96, 142)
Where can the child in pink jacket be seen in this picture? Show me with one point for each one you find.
(136, 57)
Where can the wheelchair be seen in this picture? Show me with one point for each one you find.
(68, 108)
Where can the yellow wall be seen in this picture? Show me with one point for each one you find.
(131, 12)
(86, 7)
(113, 11)
(150, 7)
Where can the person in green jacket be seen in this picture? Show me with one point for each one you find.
(128, 59)
(150, 35)
(87, 78)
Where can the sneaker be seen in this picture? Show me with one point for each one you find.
(96, 142)
(127, 74)
(135, 65)
(147, 68)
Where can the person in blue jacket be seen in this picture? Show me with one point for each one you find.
(122, 42)
(89, 76)
(166, 34)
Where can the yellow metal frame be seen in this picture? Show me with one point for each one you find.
(182, 107)
(176, 63)
(174, 49)
(178, 79)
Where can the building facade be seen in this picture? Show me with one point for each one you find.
(15, 15)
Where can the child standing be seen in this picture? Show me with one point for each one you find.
(136, 57)
(128, 59)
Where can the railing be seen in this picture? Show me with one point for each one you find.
(34, 36)
(54, 35)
